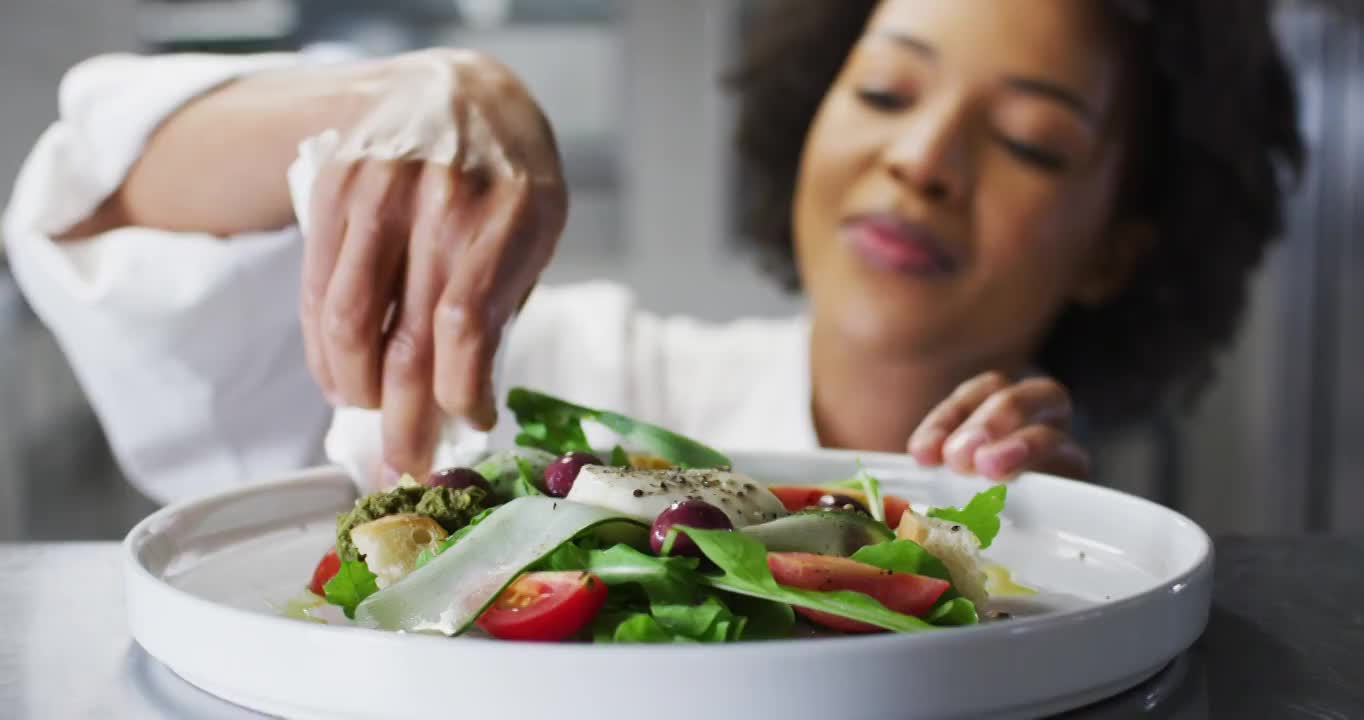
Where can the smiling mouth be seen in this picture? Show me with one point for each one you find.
(889, 241)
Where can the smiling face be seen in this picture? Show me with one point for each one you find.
(957, 186)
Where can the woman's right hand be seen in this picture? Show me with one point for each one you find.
(428, 227)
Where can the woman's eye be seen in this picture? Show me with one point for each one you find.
(1034, 155)
(883, 100)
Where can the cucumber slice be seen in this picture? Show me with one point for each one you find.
(448, 593)
(825, 532)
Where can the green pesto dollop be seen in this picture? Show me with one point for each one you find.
(451, 509)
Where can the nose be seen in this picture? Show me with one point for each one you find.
(930, 152)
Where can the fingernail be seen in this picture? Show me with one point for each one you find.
(927, 446)
(1003, 458)
(390, 476)
(961, 447)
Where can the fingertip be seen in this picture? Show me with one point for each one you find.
(926, 446)
(1002, 459)
(959, 450)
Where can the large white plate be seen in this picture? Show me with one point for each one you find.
(1126, 587)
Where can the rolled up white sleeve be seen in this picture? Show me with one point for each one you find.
(187, 345)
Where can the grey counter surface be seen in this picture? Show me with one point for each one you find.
(1285, 640)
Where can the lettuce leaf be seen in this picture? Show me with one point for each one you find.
(514, 473)
(980, 516)
(953, 611)
(763, 619)
(907, 556)
(555, 425)
(677, 600)
(630, 627)
(525, 484)
(743, 565)
(352, 583)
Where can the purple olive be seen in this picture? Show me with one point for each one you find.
(458, 478)
(692, 513)
(560, 474)
(841, 502)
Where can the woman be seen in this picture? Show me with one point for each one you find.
(986, 204)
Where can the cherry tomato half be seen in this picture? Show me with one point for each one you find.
(902, 592)
(326, 570)
(545, 606)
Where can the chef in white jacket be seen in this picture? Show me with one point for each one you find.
(229, 248)
(183, 326)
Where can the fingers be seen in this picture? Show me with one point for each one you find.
(1041, 448)
(1033, 401)
(997, 428)
(491, 275)
(410, 417)
(926, 444)
(365, 280)
(327, 228)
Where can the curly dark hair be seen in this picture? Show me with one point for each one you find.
(1217, 135)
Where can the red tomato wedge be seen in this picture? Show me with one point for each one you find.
(799, 497)
(325, 570)
(901, 592)
(545, 606)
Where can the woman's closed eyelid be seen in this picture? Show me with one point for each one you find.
(885, 99)
(1034, 155)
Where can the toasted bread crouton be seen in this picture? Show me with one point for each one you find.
(390, 545)
(957, 547)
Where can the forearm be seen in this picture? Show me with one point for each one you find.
(219, 164)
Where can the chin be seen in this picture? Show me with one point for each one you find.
(875, 325)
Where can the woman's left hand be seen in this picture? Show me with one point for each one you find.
(999, 428)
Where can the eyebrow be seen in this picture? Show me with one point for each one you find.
(1042, 88)
(909, 42)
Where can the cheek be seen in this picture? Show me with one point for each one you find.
(831, 161)
(1044, 226)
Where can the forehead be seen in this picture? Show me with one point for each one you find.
(1059, 41)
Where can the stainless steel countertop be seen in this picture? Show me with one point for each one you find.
(1286, 639)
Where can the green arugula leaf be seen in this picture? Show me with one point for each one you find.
(954, 611)
(352, 583)
(525, 480)
(555, 425)
(631, 628)
(548, 423)
(980, 516)
(664, 579)
(763, 619)
(619, 457)
(708, 621)
(905, 556)
(514, 473)
(743, 563)
(674, 593)
(870, 487)
(569, 556)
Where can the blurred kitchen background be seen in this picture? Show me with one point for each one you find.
(631, 85)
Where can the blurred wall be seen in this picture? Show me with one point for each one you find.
(56, 476)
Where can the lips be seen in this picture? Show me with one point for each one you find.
(891, 242)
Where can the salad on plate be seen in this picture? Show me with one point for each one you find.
(656, 540)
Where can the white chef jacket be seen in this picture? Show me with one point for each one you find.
(189, 349)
